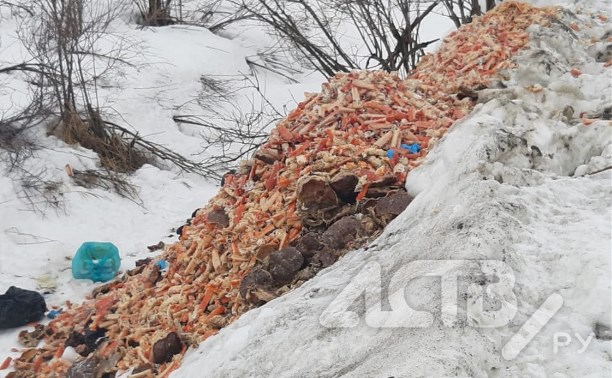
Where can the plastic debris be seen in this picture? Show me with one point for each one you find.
(162, 264)
(97, 261)
(54, 313)
(46, 283)
(412, 148)
(19, 307)
(332, 147)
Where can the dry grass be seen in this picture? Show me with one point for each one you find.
(105, 179)
(116, 153)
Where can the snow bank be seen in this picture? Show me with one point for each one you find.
(512, 182)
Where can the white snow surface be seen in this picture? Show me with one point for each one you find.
(483, 193)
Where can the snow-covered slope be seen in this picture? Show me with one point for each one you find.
(483, 193)
(514, 182)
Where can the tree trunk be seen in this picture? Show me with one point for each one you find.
(475, 9)
(154, 7)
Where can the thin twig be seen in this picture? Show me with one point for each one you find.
(599, 171)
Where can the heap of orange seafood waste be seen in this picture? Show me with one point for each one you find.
(341, 135)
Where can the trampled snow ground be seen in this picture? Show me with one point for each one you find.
(483, 194)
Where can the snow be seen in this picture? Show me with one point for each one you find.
(484, 193)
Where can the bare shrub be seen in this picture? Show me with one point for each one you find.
(39, 192)
(154, 12)
(230, 134)
(65, 42)
(15, 135)
(115, 152)
(383, 34)
(64, 39)
(216, 15)
(463, 11)
(387, 31)
(104, 179)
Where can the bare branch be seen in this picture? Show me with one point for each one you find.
(388, 31)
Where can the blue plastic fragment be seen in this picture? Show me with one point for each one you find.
(413, 148)
(97, 261)
(162, 264)
(54, 313)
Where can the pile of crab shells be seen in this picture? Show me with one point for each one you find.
(328, 180)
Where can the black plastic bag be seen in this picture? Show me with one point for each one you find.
(19, 307)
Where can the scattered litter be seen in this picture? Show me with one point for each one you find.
(162, 264)
(97, 261)
(321, 185)
(70, 355)
(156, 247)
(31, 339)
(54, 313)
(412, 148)
(46, 283)
(19, 307)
